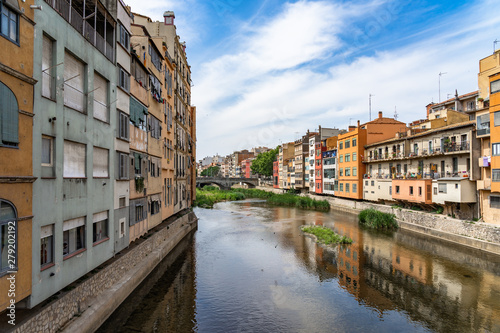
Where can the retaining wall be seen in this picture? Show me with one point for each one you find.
(91, 302)
(482, 236)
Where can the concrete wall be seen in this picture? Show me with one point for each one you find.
(58, 199)
(92, 301)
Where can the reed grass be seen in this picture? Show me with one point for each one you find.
(375, 219)
(326, 235)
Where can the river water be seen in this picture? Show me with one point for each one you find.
(248, 268)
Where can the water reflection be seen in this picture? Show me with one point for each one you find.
(250, 268)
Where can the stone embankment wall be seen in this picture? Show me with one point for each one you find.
(478, 235)
(91, 302)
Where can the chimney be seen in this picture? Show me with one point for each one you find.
(358, 124)
(352, 128)
(169, 17)
(380, 115)
(183, 44)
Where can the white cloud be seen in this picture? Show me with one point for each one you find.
(270, 88)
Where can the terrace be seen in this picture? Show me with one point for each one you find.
(91, 20)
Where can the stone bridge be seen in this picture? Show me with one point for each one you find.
(226, 183)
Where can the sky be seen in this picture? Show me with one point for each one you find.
(266, 71)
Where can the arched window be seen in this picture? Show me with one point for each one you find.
(9, 117)
(8, 236)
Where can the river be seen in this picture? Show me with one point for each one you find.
(248, 268)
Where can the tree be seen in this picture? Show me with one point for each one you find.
(212, 171)
(263, 163)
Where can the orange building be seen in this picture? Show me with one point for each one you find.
(495, 137)
(351, 152)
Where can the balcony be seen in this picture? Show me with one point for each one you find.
(484, 184)
(484, 162)
(96, 28)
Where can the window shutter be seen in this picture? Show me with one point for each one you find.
(100, 98)
(47, 63)
(73, 83)
(101, 162)
(74, 160)
(9, 116)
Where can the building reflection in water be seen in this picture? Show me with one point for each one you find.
(165, 300)
(447, 288)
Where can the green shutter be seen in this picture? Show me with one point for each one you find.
(9, 116)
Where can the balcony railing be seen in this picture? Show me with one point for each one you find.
(71, 15)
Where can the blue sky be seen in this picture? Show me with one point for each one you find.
(265, 71)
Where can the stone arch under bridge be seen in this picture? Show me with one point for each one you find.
(225, 183)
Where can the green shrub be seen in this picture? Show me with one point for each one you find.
(326, 235)
(377, 220)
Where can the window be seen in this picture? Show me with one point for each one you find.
(348, 172)
(74, 160)
(442, 188)
(347, 157)
(495, 175)
(155, 57)
(9, 23)
(9, 117)
(100, 227)
(139, 213)
(139, 73)
(47, 68)
(420, 191)
(155, 207)
(101, 163)
(122, 202)
(411, 190)
(341, 145)
(101, 98)
(435, 190)
(366, 183)
(496, 118)
(347, 144)
(354, 171)
(124, 79)
(354, 143)
(341, 187)
(372, 183)
(495, 149)
(154, 127)
(123, 166)
(8, 236)
(122, 227)
(73, 235)
(494, 201)
(494, 86)
(347, 185)
(341, 158)
(47, 151)
(341, 172)
(74, 79)
(354, 157)
(138, 113)
(354, 188)
(483, 124)
(124, 37)
(123, 126)
(46, 245)
(397, 189)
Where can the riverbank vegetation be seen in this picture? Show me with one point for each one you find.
(325, 235)
(210, 195)
(374, 219)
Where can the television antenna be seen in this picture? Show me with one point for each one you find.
(395, 113)
(370, 105)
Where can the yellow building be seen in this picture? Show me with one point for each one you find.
(16, 147)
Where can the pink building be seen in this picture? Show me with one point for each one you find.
(246, 172)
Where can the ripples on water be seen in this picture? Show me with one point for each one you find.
(248, 268)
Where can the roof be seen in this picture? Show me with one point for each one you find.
(444, 128)
(384, 120)
(464, 96)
